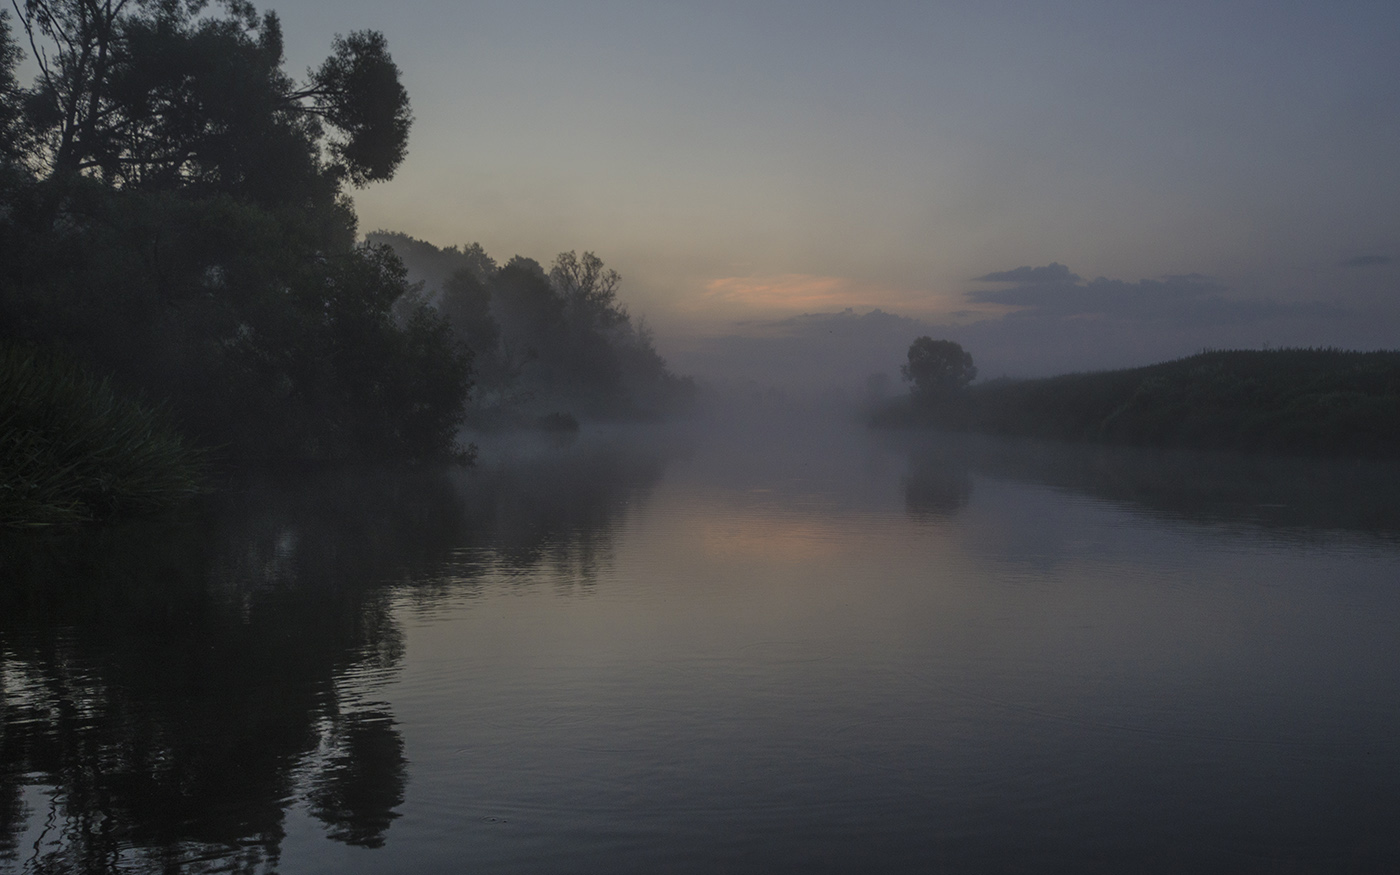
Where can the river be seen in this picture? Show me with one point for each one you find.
(759, 644)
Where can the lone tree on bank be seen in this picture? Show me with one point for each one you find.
(937, 369)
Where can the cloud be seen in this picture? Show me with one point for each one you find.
(1053, 293)
(1367, 261)
(1060, 323)
(1049, 274)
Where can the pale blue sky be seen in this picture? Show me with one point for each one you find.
(759, 159)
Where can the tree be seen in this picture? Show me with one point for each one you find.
(68, 99)
(589, 290)
(160, 94)
(937, 369)
(11, 96)
(357, 90)
(172, 214)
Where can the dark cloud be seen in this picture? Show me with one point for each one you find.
(1051, 273)
(1184, 299)
(1367, 261)
(1061, 323)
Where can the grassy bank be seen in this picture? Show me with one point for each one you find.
(73, 450)
(1309, 401)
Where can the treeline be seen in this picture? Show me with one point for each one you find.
(553, 341)
(173, 213)
(176, 234)
(1305, 401)
(177, 241)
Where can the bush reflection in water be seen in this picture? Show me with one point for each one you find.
(174, 693)
(170, 689)
(1292, 498)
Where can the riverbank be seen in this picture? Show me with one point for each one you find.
(74, 450)
(1303, 401)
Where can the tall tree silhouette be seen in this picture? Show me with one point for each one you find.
(162, 93)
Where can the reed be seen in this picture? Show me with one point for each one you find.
(74, 450)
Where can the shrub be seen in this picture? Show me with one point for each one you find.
(72, 449)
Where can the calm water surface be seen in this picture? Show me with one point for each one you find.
(741, 648)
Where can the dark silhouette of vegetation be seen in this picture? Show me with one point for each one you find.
(72, 450)
(1310, 401)
(937, 370)
(182, 684)
(544, 340)
(173, 217)
(159, 94)
(12, 128)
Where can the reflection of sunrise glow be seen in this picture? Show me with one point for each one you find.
(787, 540)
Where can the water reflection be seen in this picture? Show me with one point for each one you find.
(1287, 497)
(804, 647)
(939, 484)
(555, 504)
(362, 783)
(169, 689)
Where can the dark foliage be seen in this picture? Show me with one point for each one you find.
(937, 369)
(544, 340)
(270, 333)
(73, 450)
(160, 93)
(172, 215)
(1311, 401)
(12, 129)
(357, 90)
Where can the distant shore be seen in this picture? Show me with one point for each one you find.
(1302, 401)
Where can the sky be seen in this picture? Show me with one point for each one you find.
(1057, 185)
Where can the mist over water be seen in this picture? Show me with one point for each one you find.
(770, 640)
(258, 615)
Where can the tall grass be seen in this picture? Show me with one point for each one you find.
(72, 449)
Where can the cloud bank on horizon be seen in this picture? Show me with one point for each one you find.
(1050, 320)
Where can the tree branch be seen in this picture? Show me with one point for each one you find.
(39, 56)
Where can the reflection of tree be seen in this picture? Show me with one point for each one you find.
(937, 485)
(560, 508)
(11, 775)
(363, 781)
(172, 715)
(1283, 495)
(178, 685)
(1279, 494)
